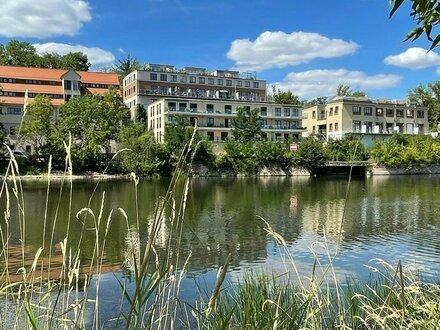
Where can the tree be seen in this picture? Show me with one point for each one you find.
(343, 90)
(125, 66)
(146, 156)
(429, 97)
(247, 124)
(358, 94)
(19, 53)
(319, 100)
(285, 97)
(426, 13)
(311, 155)
(76, 61)
(37, 123)
(50, 60)
(92, 121)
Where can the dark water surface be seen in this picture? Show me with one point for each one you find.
(391, 218)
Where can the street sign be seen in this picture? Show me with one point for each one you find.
(293, 147)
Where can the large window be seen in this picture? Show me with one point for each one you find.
(183, 79)
(211, 81)
(278, 112)
(409, 113)
(255, 84)
(173, 78)
(356, 110)
(286, 112)
(201, 80)
(389, 112)
(228, 109)
(295, 112)
(68, 85)
(13, 111)
(228, 82)
(163, 77)
(210, 108)
(368, 111)
(219, 81)
(356, 125)
(399, 113)
(263, 111)
(153, 76)
(192, 80)
(368, 126)
(420, 114)
(210, 122)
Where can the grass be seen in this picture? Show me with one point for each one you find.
(52, 287)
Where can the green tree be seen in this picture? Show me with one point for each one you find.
(50, 60)
(247, 124)
(358, 94)
(343, 90)
(317, 101)
(146, 156)
(426, 14)
(285, 97)
(428, 96)
(19, 53)
(75, 61)
(126, 65)
(37, 123)
(311, 155)
(92, 121)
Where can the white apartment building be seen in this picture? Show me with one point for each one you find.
(143, 87)
(213, 117)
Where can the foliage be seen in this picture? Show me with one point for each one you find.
(247, 124)
(407, 151)
(311, 155)
(426, 14)
(37, 123)
(345, 90)
(92, 122)
(348, 148)
(177, 137)
(20, 53)
(317, 101)
(126, 65)
(146, 156)
(285, 97)
(428, 96)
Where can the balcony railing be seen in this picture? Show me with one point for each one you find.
(195, 95)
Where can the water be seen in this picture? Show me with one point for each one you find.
(390, 218)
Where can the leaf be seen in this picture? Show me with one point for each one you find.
(414, 34)
(435, 43)
(397, 4)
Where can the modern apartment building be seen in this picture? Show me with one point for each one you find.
(344, 115)
(143, 87)
(214, 117)
(59, 85)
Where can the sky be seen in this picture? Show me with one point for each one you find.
(306, 46)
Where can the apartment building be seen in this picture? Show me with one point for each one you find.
(143, 87)
(214, 117)
(59, 85)
(344, 115)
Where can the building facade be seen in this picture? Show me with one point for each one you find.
(213, 117)
(344, 115)
(143, 87)
(59, 85)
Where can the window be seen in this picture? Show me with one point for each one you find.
(239, 83)
(368, 126)
(211, 81)
(278, 112)
(263, 111)
(399, 113)
(210, 122)
(224, 136)
(153, 76)
(210, 108)
(409, 113)
(163, 77)
(368, 111)
(192, 80)
(183, 79)
(228, 82)
(389, 112)
(286, 112)
(75, 85)
(314, 115)
(264, 123)
(336, 111)
(356, 110)
(295, 112)
(278, 123)
(173, 78)
(201, 80)
(255, 84)
(420, 114)
(12, 130)
(193, 107)
(210, 136)
(247, 84)
(182, 106)
(336, 127)
(219, 81)
(13, 111)
(68, 85)
(356, 125)
(330, 127)
(379, 112)
(330, 113)
(228, 109)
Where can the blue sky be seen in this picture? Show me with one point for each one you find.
(307, 46)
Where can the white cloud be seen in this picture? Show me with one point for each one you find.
(95, 55)
(414, 58)
(279, 49)
(42, 18)
(314, 83)
(121, 50)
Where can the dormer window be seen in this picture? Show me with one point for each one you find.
(67, 85)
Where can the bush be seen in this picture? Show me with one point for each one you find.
(311, 155)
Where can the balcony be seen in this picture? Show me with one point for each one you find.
(282, 127)
(146, 92)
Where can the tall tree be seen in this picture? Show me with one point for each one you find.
(317, 101)
(285, 97)
(37, 123)
(126, 65)
(19, 53)
(247, 124)
(343, 90)
(428, 96)
(426, 14)
(75, 61)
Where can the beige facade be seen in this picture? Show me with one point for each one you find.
(143, 87)
(214, 117)
(344, 115)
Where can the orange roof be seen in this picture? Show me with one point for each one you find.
(20, 100)
(45, 89)
(99, 78)
(21, 72)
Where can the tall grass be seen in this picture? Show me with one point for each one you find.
(51, 288)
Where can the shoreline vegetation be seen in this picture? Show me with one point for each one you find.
(42, 298)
